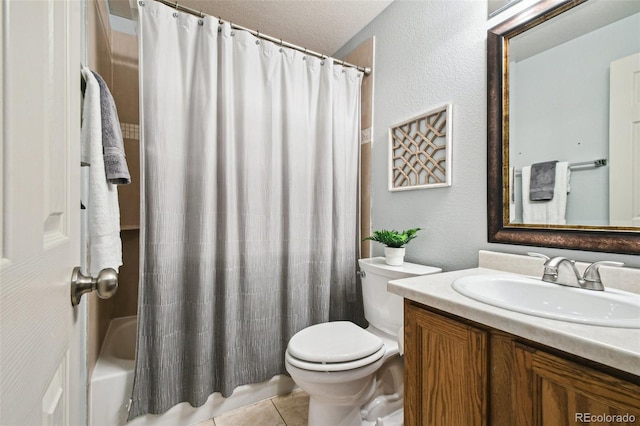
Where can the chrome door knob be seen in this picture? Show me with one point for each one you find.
(106, 284)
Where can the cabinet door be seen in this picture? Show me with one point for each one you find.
(510, 383)
(445, 370)
(566, 393)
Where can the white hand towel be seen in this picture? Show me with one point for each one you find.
(104, 247)
(551, 212)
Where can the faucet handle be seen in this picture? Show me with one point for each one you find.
(534, 254)
(592, 273)
(591, 278)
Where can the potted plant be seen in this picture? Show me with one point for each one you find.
(394, 242)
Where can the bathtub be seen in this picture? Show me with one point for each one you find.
(112, 381)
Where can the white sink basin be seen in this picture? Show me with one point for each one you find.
(609, 308)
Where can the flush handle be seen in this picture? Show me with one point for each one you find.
(106, 284)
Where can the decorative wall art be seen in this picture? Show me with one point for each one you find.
(420, 151)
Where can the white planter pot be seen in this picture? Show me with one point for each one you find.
(394, 256)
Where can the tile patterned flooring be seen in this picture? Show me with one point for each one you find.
(286, 410)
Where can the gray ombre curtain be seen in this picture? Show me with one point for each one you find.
(249, 205)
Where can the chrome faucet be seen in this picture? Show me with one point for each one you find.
(590, 280)
(552, 268)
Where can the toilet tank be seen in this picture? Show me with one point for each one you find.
(384, 310)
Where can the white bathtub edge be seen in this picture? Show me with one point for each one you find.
(112, 381)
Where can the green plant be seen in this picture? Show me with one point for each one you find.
(392, 238)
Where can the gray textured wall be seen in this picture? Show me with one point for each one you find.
(429, 53)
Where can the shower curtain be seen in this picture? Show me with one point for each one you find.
(249, 205)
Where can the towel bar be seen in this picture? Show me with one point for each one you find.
(582, 164)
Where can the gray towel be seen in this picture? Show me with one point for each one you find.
(543, 181)
(115, 164)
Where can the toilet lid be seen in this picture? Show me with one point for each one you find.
(333, 342)
(336, 366)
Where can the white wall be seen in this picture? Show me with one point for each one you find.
(428, 53)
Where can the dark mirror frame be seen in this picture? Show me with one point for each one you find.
(611, 239)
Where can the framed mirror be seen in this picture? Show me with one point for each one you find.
(559, 77)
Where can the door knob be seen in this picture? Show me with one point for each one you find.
(106, 284)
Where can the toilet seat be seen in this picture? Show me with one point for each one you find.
(334, 346)
(334, 366)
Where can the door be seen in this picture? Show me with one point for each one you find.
(624, 142)
(42, 375)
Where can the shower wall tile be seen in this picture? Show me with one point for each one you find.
(99, 39)
(125, 87)
(130, 131)
(100, 59)
(125, 91)
(129, 195)
(125, 302)
(114, 56)
(365, 198)
(363, 55)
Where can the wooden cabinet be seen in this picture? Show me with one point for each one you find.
(461, 373)
(445, 370)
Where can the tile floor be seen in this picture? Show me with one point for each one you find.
(286, 410)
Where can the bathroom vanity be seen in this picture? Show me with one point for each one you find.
(467, 362)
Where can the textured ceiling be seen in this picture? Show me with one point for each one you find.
(319, 25)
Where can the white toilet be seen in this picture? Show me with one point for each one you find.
(354, 376)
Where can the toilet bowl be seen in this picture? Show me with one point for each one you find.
(354, 376)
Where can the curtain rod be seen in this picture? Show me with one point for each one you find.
(175, 5)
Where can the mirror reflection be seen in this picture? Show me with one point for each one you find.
(571, 137)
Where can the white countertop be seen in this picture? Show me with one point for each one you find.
(615, 347)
